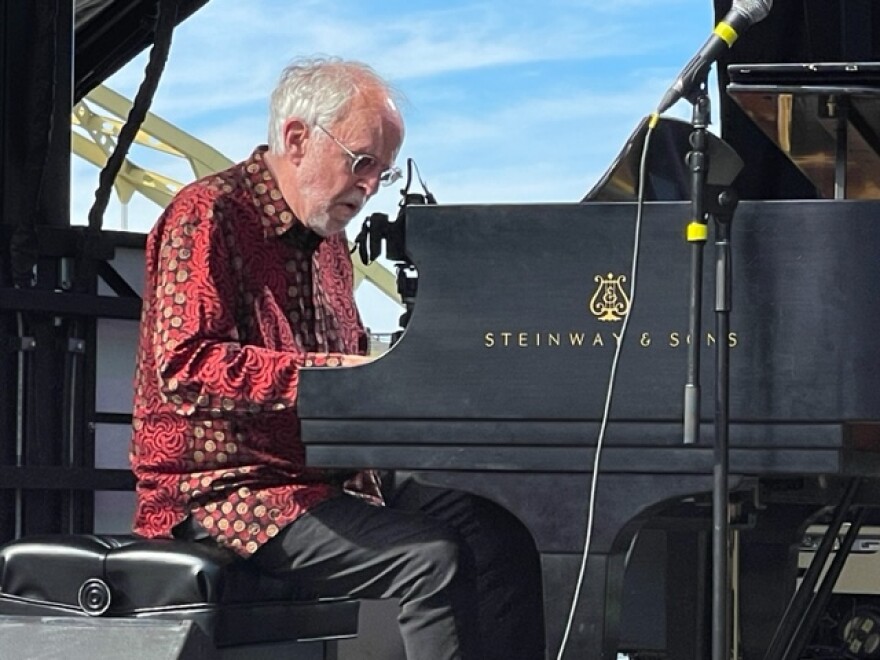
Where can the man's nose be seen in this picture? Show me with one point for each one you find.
(369, 184)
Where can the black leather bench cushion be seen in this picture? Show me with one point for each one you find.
(230, 599)
(141, 573)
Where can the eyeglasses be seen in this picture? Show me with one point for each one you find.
(364, 164)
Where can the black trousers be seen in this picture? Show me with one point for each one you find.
(465, 571)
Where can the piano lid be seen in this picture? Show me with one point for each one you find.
(667, 175)
(109, 33)
(825, 118)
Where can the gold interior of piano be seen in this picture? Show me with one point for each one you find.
(805, 123)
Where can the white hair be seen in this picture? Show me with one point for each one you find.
(318, 91)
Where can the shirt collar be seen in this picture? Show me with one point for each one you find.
(277, 217)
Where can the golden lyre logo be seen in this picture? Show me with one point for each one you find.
(610, 301)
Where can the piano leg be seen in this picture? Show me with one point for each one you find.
(654, 597)
(667, 589)
(594, 629)
(554, 508)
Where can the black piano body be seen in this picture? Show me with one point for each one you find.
(499, 382)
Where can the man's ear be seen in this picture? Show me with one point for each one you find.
(296, 135)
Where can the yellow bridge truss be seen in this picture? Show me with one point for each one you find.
(97, 139)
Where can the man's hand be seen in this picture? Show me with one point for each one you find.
(355, 360)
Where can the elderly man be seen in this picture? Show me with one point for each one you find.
(249, 279)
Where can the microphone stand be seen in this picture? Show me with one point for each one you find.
(697, 232)
(721, 208)
(719, 203)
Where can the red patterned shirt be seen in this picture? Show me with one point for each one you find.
(238, 296)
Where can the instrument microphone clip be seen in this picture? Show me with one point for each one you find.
(377, 227)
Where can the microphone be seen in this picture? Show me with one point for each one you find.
(743, 14)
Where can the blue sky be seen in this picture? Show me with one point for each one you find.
(516, 101)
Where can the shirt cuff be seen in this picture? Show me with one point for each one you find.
(323, 360)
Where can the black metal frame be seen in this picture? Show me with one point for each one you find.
(49, 278)
(47, 466)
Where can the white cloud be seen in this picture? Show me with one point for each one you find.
(229, 53)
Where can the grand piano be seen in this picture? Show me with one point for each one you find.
(499, 381)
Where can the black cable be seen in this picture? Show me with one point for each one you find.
(653, 120)
(166, 19)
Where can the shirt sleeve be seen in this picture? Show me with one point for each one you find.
(200, 359)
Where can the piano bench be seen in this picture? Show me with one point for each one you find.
(112, 577)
